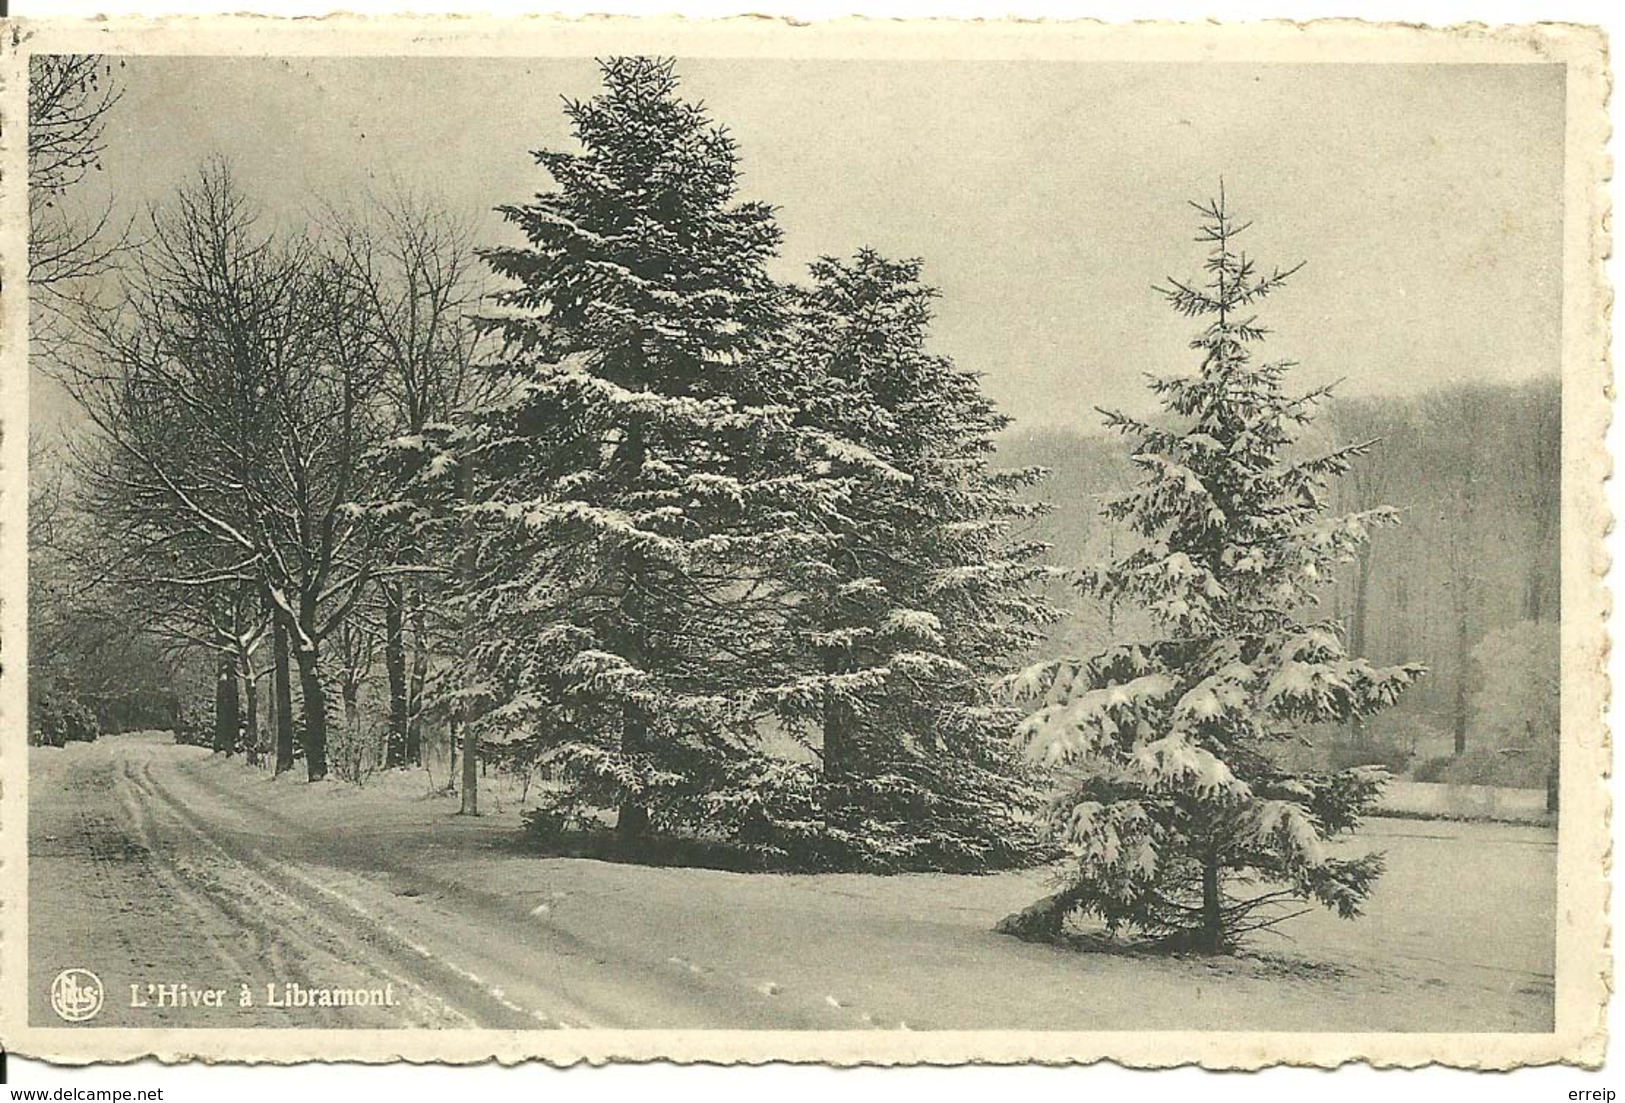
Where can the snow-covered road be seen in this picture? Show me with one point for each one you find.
(152, 864)
(146, 872)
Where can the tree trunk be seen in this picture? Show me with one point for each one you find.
(1464, 565)
(1543, 568)
(633, 819)
(226, 715)
(1534, 591)
(471, 772)
(350, 692)
(251, 716)
(834, 739)
(271, 727)
(1357, 622)
(835, 751)
(1464, 665)
(414, 687)
(1401, 624)
(1211, 939)
(395, 668)
(281, 694)
(315, 713)
(471, 765)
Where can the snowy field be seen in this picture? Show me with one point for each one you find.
(155, 862)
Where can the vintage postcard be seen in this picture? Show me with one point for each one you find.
(856, 543)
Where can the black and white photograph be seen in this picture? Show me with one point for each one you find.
(812, 543)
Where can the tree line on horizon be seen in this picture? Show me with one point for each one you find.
(1469, 579)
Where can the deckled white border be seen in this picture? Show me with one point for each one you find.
(1582, 964)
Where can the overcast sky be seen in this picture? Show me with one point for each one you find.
(1045, 198)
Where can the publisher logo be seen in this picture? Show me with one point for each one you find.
(76, 995)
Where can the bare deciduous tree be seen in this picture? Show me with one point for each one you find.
(69, 98)
(411, 262)
(234, 397)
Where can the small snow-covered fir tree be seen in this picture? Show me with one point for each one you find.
(638, 488)
(920, 597)
(1183, 825)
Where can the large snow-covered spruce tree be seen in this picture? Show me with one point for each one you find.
(1184, 826)
(922, 595)
(638, 488)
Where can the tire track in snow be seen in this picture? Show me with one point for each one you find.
(542, 963)
(290, 944)
(367, 944)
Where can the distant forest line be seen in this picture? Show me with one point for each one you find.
(1475, 470)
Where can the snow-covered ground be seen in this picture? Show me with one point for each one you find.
(156, 863)
(1465, 802)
